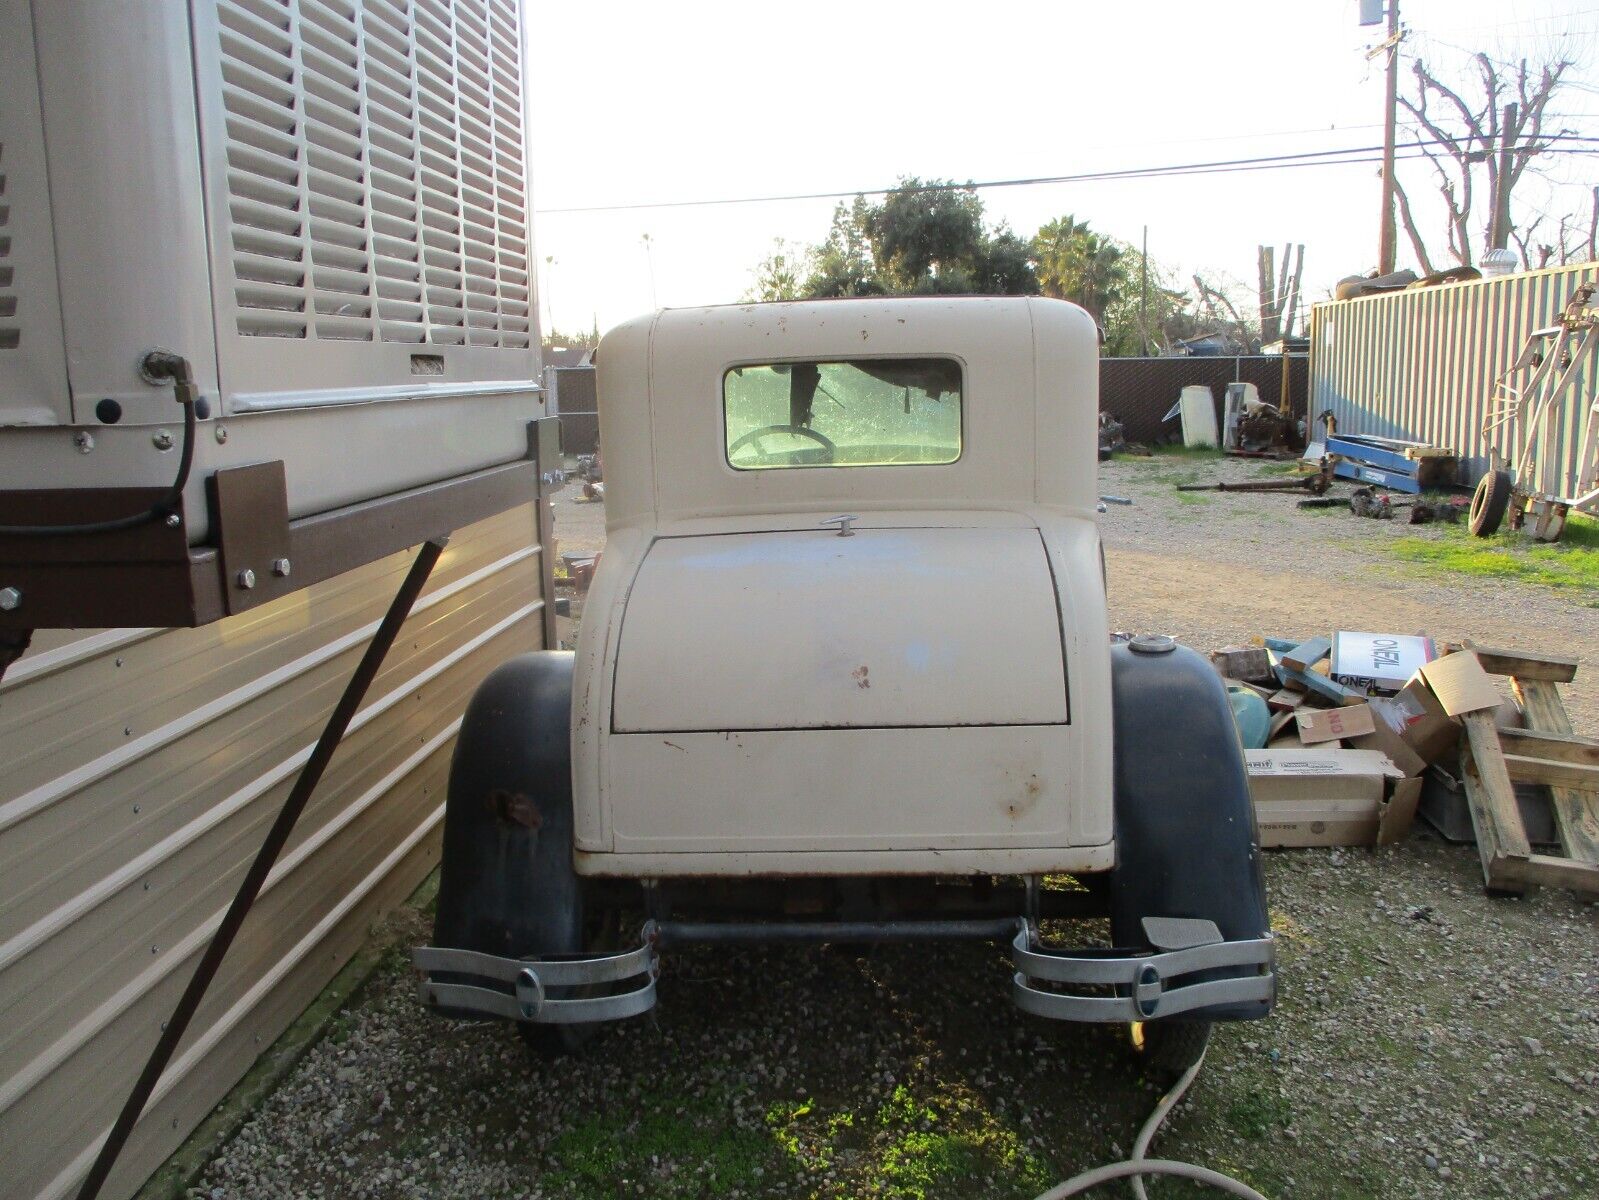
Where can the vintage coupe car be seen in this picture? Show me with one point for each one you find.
(845, 675)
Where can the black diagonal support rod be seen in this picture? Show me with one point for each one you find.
(310, 775)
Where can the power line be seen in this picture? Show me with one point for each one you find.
(1498, 62)
(1311, 158)
(1547, 17)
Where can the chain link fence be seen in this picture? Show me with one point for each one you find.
(1138, 392)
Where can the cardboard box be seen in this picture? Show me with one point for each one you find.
(1398, 811)
(1330, 724)
(1251, 664)
(1460, 683)
(1411, 728)
(1378, 662)
(1318, 797)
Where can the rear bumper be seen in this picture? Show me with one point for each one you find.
(1201, 978)
(571, 990)
(1209, 979)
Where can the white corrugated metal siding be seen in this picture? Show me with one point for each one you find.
(1423, 365)
(139, 773)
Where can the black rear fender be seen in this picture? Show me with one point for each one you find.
(506, 883)
(1186, 844)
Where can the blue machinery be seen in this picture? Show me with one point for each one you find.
(1389, 463)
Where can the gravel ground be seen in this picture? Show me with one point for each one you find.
(1215, 569)
(1429, 1041)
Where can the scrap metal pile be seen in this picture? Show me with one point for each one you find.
(1350, 738)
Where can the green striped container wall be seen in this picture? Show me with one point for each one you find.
(1423, 365)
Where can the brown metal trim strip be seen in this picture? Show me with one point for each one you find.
(171, 585)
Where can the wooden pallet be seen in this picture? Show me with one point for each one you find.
(1545, 752)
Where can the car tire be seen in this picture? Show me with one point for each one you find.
(1163, 1050)
(1489, 503)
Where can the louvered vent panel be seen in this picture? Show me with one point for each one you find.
(10, 331)
(376, 170)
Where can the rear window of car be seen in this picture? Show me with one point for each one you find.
(858, 412)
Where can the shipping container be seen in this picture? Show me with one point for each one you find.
(1424, 365)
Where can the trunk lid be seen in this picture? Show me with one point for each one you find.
(890, 628)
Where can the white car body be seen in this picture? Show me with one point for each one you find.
(756, 694)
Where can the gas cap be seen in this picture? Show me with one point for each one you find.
(1152, 643)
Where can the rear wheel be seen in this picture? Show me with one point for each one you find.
(1165, 1049)
(602, 931)
(1489, 502)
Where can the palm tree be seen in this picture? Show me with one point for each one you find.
(1077, 264)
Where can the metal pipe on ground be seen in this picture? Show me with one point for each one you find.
(1317, 482)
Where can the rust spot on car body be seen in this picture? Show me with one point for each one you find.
(1031, 790)
(861, 676)
(515, 808)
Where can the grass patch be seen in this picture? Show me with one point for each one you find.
(912, 1145)
(1284, 466)
(927, 1148)
(1258, 1114)
(671, 1147)
(1510, 556)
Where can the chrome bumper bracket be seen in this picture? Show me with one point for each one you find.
(539, 990)
(1131, 987)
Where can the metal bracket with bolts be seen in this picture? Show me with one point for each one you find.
(155, 367)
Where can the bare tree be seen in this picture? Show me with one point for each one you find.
(1570, 244)
(1493, 138)
(1417, 245)
(1524, 243)
(1213, 306)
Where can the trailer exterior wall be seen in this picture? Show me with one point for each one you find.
(141, 768)
(1424, 365)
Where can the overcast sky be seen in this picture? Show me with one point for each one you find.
(694, 100)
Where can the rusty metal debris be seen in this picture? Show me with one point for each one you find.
(1111, 436)
(1369, 502)
(1316, 482)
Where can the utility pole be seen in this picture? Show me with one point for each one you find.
(1143, 296)
(1499, 231)
(1388, 237)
